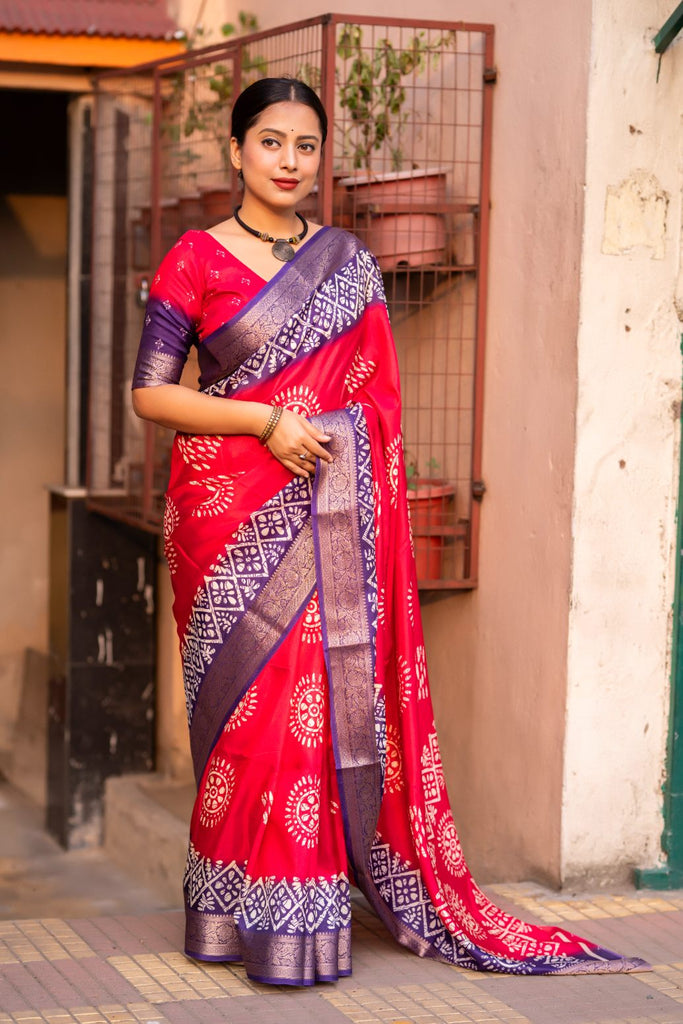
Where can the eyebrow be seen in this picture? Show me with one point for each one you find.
(276, 131)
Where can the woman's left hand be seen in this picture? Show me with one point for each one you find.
(297, 444)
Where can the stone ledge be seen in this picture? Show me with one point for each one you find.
(146, 837)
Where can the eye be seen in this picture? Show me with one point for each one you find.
(269, 142)
(308, 147)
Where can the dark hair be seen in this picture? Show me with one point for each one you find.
(266, 91)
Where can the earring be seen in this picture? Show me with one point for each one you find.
(240, 175)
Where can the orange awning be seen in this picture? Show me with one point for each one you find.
(82, 50)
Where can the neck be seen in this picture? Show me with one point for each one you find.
(280, 223)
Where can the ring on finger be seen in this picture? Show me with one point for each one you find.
(303, 455)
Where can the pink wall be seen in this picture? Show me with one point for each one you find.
(501, 712)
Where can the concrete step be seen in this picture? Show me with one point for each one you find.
(146, 830)
(40, 879)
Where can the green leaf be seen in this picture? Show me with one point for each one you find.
(248, 22)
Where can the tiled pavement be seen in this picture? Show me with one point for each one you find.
(129, 969)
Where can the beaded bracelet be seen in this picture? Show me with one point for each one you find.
(270, 426)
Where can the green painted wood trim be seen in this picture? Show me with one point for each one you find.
(658, 878)
(669, 30)
(671, 875)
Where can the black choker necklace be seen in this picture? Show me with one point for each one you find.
(282, 247)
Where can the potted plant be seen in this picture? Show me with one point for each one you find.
(374, 95)
(198, 109)
(430, 504)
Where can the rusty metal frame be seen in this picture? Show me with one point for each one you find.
(146, 516)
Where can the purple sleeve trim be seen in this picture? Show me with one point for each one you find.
(167, 336)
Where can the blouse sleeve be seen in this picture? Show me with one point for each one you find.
(171, 318)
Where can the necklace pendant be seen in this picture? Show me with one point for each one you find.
(283, 251)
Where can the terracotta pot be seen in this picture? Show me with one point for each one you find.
(399, 237)
(428, 557)
(420, 185)
(402, 239)
(342, 214)
(430, 503)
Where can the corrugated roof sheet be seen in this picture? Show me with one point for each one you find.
(134, 19)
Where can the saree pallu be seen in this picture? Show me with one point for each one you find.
(311, 724)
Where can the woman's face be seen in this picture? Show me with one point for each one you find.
(280, 155)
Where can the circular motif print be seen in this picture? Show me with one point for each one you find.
(312, 626)
(244, 710)
(450, 847)
(302, 811)
(300, 399)
(307, 710)
(218, 790)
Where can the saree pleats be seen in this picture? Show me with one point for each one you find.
(269, 796)
(311, 724)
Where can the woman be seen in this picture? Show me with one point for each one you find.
(288, 540)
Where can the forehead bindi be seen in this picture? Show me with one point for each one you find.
(283, 134)
(289, 118)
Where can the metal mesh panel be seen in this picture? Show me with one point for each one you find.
(406, 167)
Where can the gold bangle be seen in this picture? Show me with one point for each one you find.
(270, 426)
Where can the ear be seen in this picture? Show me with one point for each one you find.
(235, 154)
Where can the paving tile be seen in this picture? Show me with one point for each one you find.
(112, 987)
(94, 980)
(147, 935)
(551, 908)
(34, 994)
(581, 999)
(170, 924)
(416, 1003)
(131, 970)
(10, 997)
(94, 935)
(654, 937)
(26, 941)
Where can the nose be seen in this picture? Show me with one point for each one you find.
(288, 156)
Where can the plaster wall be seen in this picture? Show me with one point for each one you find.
(173, 744)
(626, 480)
(206, 15)
(32, 330)
(497, 656)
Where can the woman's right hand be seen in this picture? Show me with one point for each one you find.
(293, 436)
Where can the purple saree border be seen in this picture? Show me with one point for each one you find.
(242, 567)
(334, 305)
(251, 642)
(224, 351)
(271, 283)
(348, 631)
(289, 930)
(269, 957)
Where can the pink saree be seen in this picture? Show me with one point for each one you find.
(311, 725)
